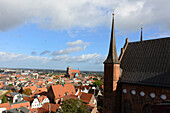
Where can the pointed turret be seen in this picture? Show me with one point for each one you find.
(141, 37)
(112, 56)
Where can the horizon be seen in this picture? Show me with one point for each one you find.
(56, 34)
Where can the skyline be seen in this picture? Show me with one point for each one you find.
(57, 34)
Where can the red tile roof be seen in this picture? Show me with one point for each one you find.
(25, 104)
(5, 105)
(48, 107)
(75, 71)
(69, 97)
(86, 97)
(59, 90)
(41, 98)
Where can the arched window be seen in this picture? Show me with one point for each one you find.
(147, 109)
(127, 107)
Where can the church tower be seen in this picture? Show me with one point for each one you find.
(111, 75)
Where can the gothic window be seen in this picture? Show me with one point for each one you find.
(127, 107)
(147, 109)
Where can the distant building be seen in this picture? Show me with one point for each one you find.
(139, 79)
(72, 73)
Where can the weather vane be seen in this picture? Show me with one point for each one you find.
(113, 10)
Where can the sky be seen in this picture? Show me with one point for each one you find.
(54, 34)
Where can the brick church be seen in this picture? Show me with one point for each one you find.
(73, 73)
(139, 80)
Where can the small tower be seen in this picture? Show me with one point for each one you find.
(111, 75)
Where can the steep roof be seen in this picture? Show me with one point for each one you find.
(147, 62)
(59, 90)
(112, 56)
(69, 88)
(86, 97)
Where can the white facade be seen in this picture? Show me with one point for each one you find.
(2, 109)
(35, 104)
(17, 98)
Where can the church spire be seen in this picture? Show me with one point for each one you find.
(141, 38)
(112, 56)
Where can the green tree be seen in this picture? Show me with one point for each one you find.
(27, 91)
(73, 106)
(98, 83)
(4, 99)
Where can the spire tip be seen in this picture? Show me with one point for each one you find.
(113, 10)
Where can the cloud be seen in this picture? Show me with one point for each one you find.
(69, 50)
(75, 46)
(77, 42)
(33, 53)
(60, 58)
(83, 58)
(4, 56)
(45, 52)
(26, 61)
(65, 15)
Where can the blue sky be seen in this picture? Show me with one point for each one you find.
(54, 34)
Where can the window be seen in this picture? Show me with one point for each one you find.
(147, 109)
(127, 107)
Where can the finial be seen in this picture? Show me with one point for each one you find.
(141, 26)
(113, 10)
(141, 38)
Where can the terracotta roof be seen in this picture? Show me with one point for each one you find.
(33, 88)
(86, 97)
(69, 88)
(59, 90)
(69, 97)
(25, 104)
(41, 98)
(75, 71)
(28, 99)
(50, 80)
(5, 105)
(48, 107)
(147, 62)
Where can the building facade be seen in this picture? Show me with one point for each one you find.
(140, 78)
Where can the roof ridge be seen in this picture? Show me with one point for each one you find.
(164, 38)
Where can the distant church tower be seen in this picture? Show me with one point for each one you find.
(68, 69)
(111, 75)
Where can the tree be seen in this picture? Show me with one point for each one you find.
(27, 91)
(73, 106)
(98, 83)
(4, 99)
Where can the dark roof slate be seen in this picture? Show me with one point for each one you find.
(147, 62)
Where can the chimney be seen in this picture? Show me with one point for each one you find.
(49, 107)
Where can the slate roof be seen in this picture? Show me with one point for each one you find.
(147, 62)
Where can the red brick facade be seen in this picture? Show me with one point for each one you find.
(142, 102)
